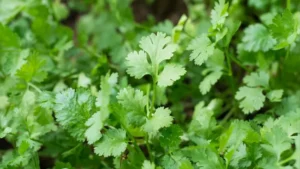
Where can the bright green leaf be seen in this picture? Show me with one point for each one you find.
(170, 74)
(202, 48)
(113, 143)
(251, 99)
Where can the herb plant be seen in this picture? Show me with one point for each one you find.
(217, 90)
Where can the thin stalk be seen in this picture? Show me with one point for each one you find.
(228, 60)
(288, 4)
(229, 67)
(228, 115)
(286, 160)
(239, 63)
(147, 106)
(287, 54)
(149, 149)
(35, 87)
(153, 95)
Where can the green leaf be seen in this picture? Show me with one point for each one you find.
(209, 81)
(251, 99)
(284, 29)
(257, 38)
(113, 143)
(95, 124)
(72, 110)
(158, 46)
(297, 152)
(170, 137)
(137, 64)
(33, 69)
(83, 80)
(237, 133)
(257, 79)
(148, 165)
(170, 74)
(3, 102)
(9, 9)
(202, 48)
(60, 10)
(160, 119)
(186, 165)
(134, 102)
(203, 121)
(204, 157)
(277, 141)
(219, 14)
(275, 95)
(107, 83)
(46, 100)
(8, 39)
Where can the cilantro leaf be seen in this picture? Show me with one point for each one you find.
(219, 14)
(251, 99)
(3, 102)
(257, 38)
(283, 28)
(209, 81)
(107, 83)
(134, 102)
(158, 47)
(203, 157)
(257, 79)
(113, 143)
(170, 74)
(95, 124)
(72, 110)
(202, 48)
(138, 65)
(277, 141)
(170, 137)
(161, 118)
(8, 39)
(83, 80)
(297, 152)
(275, 95)
(148, 165)
(33, 69)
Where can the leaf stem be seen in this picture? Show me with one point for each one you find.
(149, 148)
(287, 54)
(286, 160)
(288, 4)
(228, 60)
(153, 95)
(229, 67)
(235, 60)
(35, 87)
(228, 115)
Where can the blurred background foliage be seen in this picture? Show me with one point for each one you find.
(81, 40)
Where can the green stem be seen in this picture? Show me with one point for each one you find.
(288, 4)
(286, 160)
(228, 115)
(35, 87)
(149, 149)
(147, 94)
(153, 95)
(287, 54)
(229, 67)
(239, 63)
(228, 60)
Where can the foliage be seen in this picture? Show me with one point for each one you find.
(217, 90)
